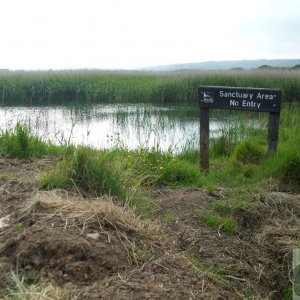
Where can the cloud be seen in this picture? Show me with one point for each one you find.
(134, 33)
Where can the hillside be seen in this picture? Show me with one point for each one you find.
(226, 65)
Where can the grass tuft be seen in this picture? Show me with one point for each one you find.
(92, 172)
(227, 224)
(20, 143)
(23, 291)
(180, 173)
(248, 152)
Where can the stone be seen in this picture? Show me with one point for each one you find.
(95, 236)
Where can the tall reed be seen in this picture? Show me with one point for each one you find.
(92, 86)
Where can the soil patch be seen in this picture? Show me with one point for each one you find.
(253, 260)
(97, 249)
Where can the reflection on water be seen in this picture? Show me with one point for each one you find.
(106, 126)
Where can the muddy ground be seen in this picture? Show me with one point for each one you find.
(94, 249)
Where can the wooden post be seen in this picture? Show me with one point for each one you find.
(296, 274)
(204, 139)
(273, 131)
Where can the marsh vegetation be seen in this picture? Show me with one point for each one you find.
(88, 86)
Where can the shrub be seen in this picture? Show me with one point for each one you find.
(247, 152)
(93, 172)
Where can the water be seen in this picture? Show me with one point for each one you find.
(107, 126)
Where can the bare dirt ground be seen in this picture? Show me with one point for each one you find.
(95, 249)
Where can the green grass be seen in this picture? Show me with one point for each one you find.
(157, 168)
(225, 223)
(17, 228)
(221, 207)
(248, 152)
(247, 167)
(288, 294)
(121, 174)
(21, 143)
(93, 172)
(170, 218)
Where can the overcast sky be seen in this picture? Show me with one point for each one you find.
(120, 34)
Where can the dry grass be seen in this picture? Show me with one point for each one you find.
(141, 239)
(285, 200)
(281, 230)
(84, 211)
(22, 291)
(145, 241)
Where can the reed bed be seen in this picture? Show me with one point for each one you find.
(94, 86)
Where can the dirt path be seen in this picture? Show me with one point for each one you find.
(97, 250)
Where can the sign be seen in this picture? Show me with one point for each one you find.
(253, 99)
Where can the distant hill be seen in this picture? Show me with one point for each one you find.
(227, 65)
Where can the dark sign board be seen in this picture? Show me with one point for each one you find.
(254, 99)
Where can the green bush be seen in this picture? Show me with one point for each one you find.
(95, 173)
(247, 152)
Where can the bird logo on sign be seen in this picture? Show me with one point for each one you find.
(208, 97)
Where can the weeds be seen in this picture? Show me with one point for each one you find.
(227, 224)
(180, 173)
(170, 218)
(121, 174)
(17, 228)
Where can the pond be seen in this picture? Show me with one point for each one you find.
(111, 125)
